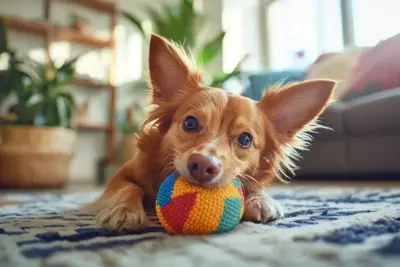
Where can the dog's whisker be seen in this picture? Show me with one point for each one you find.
(250, 178)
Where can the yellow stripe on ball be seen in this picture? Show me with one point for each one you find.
(206, 210)
(183, 187)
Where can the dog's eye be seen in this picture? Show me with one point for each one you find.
(245, 140)
(191, 124)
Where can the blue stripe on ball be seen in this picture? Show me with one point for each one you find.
(165, 192)
(236, 183)
(230, 216)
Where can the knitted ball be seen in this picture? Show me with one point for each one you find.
(189, 209)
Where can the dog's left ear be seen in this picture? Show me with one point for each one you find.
(292, 107)
(171, 73)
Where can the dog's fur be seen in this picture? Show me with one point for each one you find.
(278, 124)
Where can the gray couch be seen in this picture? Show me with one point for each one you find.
(365, 139)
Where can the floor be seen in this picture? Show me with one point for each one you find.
(87, 187)
(327, 225)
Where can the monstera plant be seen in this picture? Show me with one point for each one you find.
(36, 142)
(182, 24)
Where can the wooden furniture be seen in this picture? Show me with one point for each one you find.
(52, 33)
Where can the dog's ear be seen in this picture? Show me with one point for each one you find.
(292, 107)
(171, 74)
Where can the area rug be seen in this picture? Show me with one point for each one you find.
(322, 227)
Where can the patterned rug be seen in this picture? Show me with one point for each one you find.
(324, 227)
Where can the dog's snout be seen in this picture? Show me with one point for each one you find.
(202, 168)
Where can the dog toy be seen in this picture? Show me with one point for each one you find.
(188, 209)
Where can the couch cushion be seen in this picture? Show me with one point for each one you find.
(324, 158)
(259, 82)
(373, 154)
(379, 66)
(373, 114)
(333, 119)
(336, 66)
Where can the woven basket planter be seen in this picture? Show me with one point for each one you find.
(35, 157)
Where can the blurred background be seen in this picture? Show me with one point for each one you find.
(72, 91)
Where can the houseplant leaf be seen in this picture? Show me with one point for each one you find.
(173, 28)
(62, 110)
(157, 20)
(5, 85)
(135, 21)
(69, 107)
(52, 116)
(188, 18)
(65, 73)
(3, 36)
(219, 77)
(210, 50)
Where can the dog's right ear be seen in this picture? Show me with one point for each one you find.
(171, 74)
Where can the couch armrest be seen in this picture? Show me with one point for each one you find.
(374, 113)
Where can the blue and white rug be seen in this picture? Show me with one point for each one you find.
(322, 227)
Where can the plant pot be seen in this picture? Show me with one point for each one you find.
(129, 149)
(35, 157)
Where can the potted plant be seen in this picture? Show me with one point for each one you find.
(36, 137)
(182, 24)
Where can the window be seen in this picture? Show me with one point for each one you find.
(233, 25)
(375, 20)
(240, 20)
(300, 30)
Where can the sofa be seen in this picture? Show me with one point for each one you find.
(364, 135)
(364, 139)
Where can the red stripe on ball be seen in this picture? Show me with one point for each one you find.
(177, 211)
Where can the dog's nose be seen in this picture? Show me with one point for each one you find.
(203, 169)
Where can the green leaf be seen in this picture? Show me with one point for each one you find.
(173, 28)
(28, 112)
(157, 21)
(62, 110)
(69, 97)
(3, 36)
(5, 85)
(135, 21)
(220, 77)
(35, 110)
(210, 50)
(70, 107)
(188, 20)
(51, 114)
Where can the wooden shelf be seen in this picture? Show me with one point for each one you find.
(93, 128)
(59, 33)
(101, 5)
(65, 34)
(52, 33)
(33, 27)
(91, 84)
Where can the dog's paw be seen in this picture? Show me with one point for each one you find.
(121, 217)
(262, 208)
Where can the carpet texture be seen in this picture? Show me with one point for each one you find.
(324, 227)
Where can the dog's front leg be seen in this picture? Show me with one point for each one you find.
(260, 207)
(120, 207)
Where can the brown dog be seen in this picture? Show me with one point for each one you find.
(211, 136)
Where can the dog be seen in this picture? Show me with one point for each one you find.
(210, 137)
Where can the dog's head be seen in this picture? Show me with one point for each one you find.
(211, 136)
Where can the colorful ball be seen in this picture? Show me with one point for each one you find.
(189, 209)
